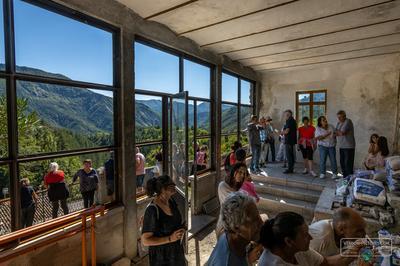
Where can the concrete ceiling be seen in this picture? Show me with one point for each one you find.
(276, 34)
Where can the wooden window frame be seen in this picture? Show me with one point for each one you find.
(310, 103)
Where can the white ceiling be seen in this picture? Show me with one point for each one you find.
(276, 34)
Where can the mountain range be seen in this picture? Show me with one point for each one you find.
(83, 110)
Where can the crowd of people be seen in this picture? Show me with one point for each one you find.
(285, 239)
(324, 137)
(244, 236)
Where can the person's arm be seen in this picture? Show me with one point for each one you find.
(346, 128)
(45, 184)
(337, 260)
(150, 226)
(35, 196)
(75, 177)
(148, 239)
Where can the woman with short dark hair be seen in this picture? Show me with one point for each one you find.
(306, 145)
(286, 241)
(163, 227)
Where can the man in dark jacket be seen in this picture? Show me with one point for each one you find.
(290, 133)
(255, 143)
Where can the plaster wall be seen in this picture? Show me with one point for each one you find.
(367, 89)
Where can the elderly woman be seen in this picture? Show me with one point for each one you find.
(242, 224)
(57, 190)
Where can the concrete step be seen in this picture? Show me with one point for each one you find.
(275, 204)
(297, 181)
(291, 192)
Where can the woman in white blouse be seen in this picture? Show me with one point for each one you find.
(326, 139)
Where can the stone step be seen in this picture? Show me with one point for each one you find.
(275, 204)
(304, 182)
(291, 192)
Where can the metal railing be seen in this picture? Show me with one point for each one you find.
(34, 233)
(43, 210)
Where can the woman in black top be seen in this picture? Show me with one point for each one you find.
(163, 228)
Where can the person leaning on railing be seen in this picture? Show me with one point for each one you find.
(57, 191)
(88, 182)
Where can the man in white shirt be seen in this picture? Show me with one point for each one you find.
(326, 234)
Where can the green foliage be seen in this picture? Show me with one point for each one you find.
(35, 136)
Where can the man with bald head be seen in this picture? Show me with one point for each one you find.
(326, 234)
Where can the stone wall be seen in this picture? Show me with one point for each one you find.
(367, 89)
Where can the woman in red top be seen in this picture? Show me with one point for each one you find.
(57, 190)
(307, 145)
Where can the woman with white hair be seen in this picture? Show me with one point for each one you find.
(57, 189)
(242, 225)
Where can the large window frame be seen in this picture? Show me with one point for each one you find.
(12, 76)
(311, 103)
(165, 128)
(239, 129)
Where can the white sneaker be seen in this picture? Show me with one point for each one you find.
(313, 173)
(322, 176)
(334, 176)
(305, 171)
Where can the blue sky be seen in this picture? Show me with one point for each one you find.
(57, 44)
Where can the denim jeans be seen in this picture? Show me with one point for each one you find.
(347, 161)
(324, 152)
(255, 157)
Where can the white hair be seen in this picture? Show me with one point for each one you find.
(53, 167)
(233, 210)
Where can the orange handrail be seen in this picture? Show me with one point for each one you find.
(62, 221)
(42, 227)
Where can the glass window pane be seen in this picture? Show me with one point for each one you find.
(3, 120)
(49, 44)
(318, 110)
(229, 88)
(304, 110)
(203, 118)
(35, 172)
(57, 118)
(2, 45)
(5, 203)
(226, 143)
(197, 79)
(229, 118)
(244, 139)
(245, 92)
(245, 116)
(148, 118)
(153, 155)
(304, 98)
(319, 97)
(156, 70)
(203, 148)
